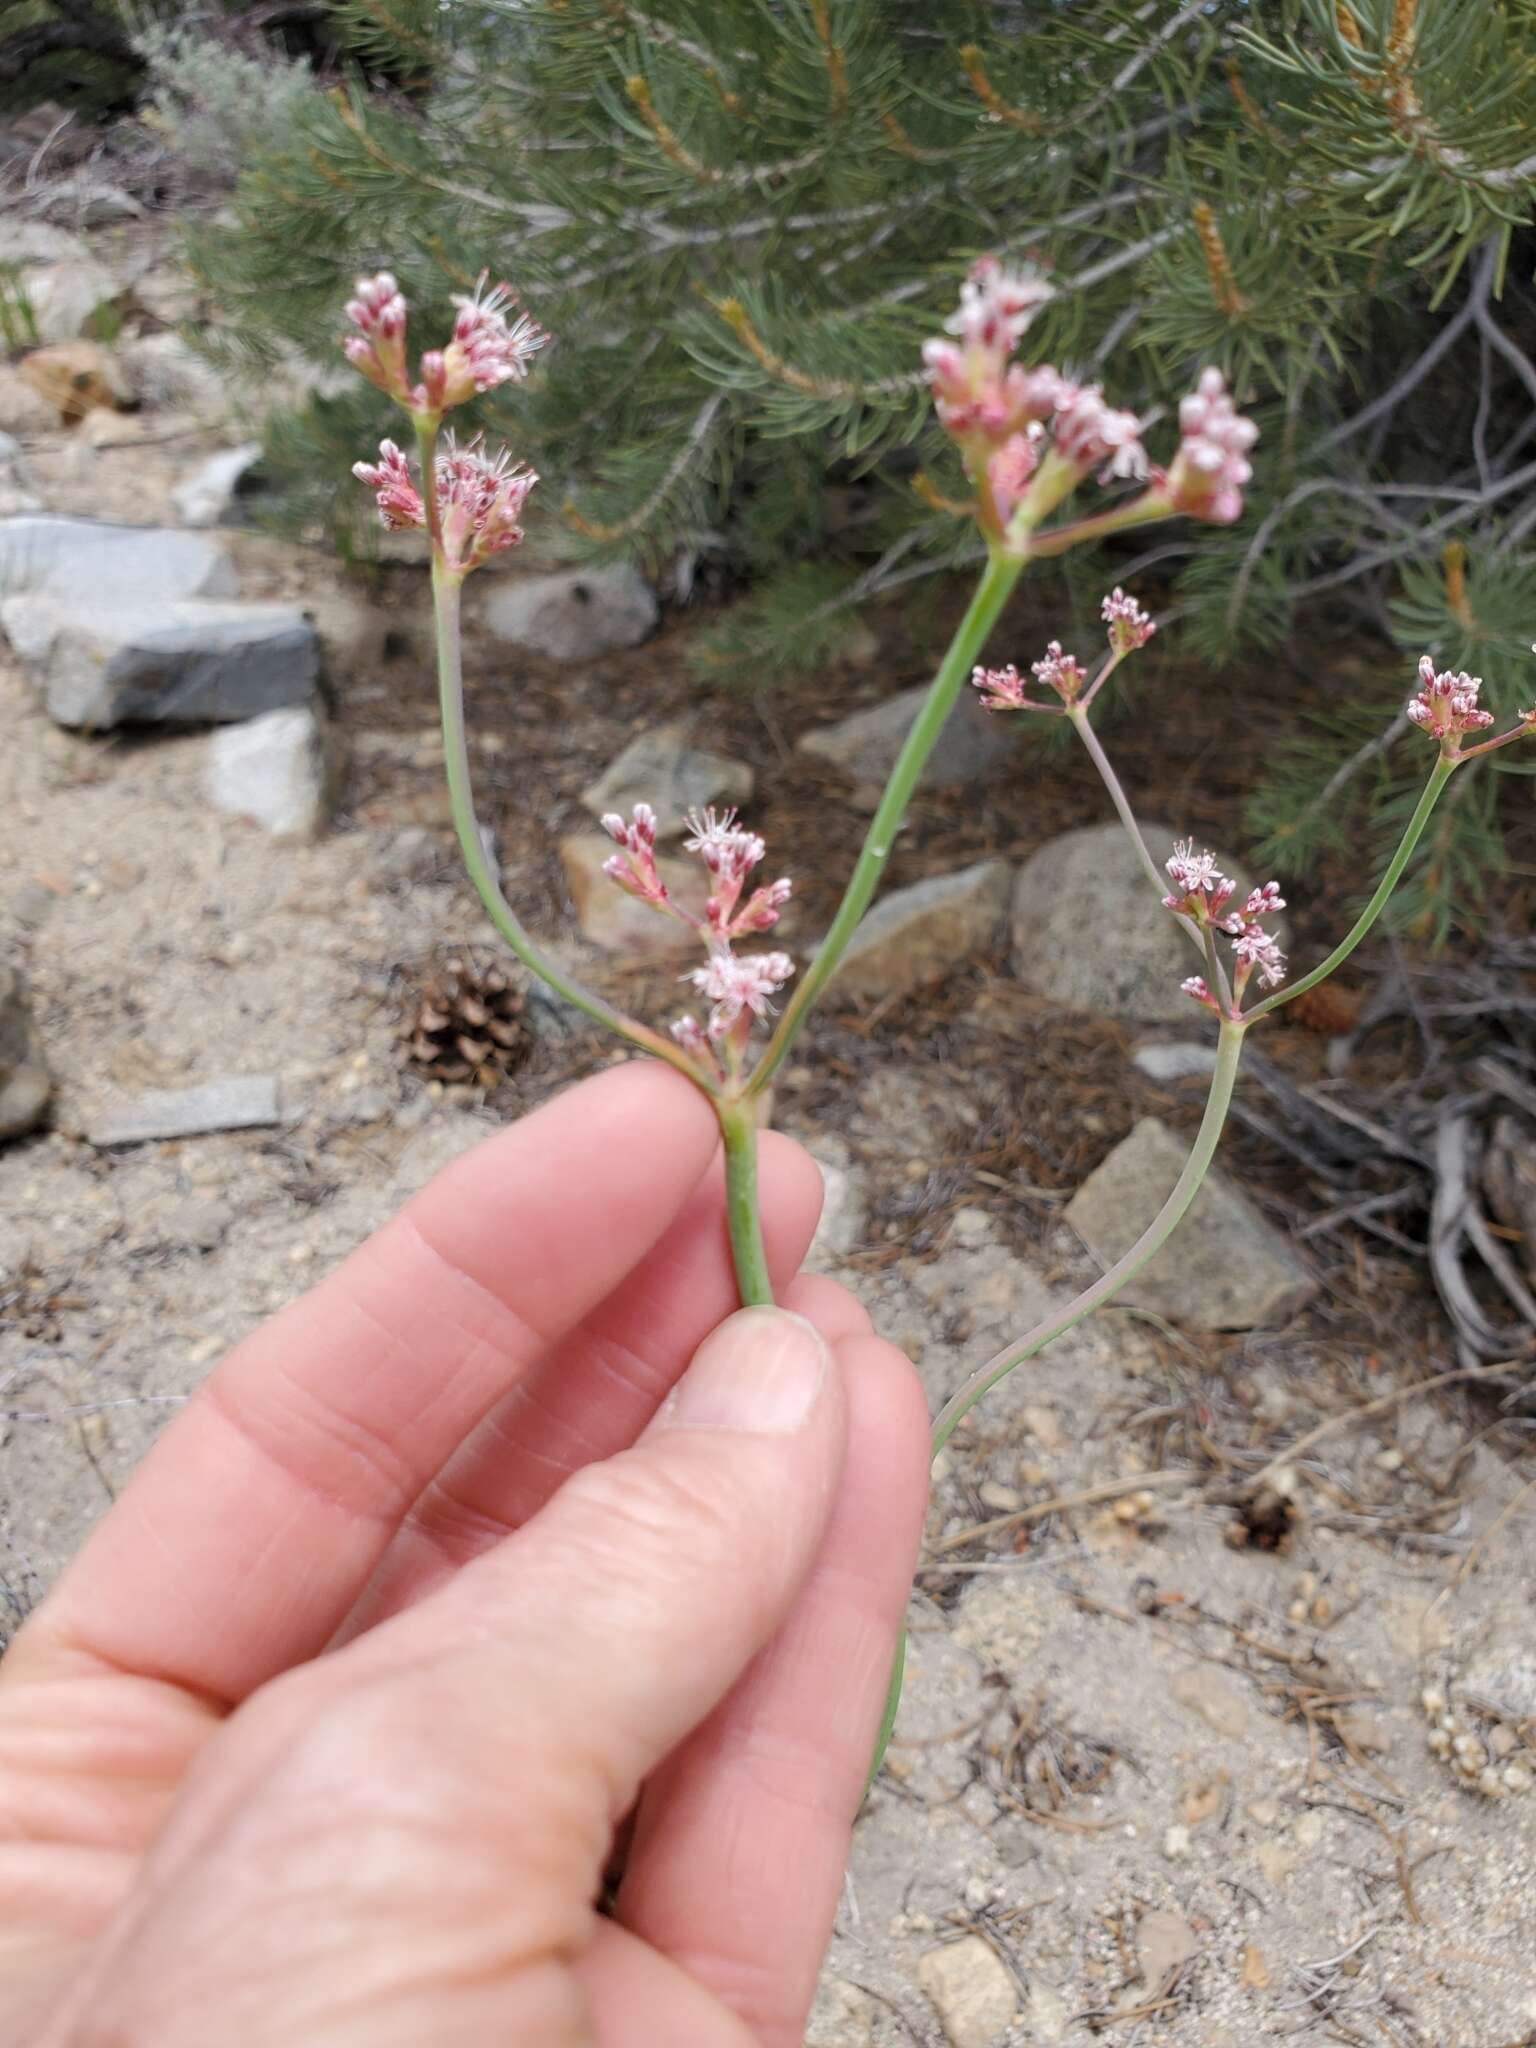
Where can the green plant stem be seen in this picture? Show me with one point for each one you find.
(445, 606)
(738, 1131)
(1229, 1048)
(992, 592)
(1440, 775)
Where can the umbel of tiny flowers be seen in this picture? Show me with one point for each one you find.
(1003, 689)
(480, 499)
(1200, 892)
(1028, 436)
(738, 987)
(486, 348)
(1446, 707)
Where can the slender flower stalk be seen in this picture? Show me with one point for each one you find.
(445, 601)
(992, 593)
(1229, 1051)
(1439, 776)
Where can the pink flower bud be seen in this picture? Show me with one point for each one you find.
(378, 311)
(394, 489)
(1211, 467)
(487, 349)
(1129, 626)
(634, 869)
(1446, 705)
(1062, 673)
(1092, 435)
(1002, 689)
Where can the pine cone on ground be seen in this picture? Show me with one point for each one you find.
(1328, 1010)
(466, 1022)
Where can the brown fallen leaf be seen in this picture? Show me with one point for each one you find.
(1199, 1800)
(74, 377)
(1255, 1971)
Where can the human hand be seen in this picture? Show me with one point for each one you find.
(327, 1735)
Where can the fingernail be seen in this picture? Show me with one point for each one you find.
(760, 1371)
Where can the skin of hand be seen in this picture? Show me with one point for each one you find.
(507, 1541)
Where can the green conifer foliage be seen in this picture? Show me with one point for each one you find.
(742, 217)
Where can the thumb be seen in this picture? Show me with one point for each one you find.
(634, 1600)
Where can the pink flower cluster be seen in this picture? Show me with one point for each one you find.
(1129, 626)
(1446, 705)
(737, 987)
(1201, 891)
(1004, 689)
(1063, 673)
(394, 488)
(1211, 467)
(998, 411)
(995, 408)
(1092, 435)
(480, 498)
(486, 349)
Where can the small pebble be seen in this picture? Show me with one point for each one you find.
(1176, 1843)
(1004, 1499)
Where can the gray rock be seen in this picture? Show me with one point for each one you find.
(238, 1102)
(1089, 933)
(1502, 1677)
(971, 1991)
(102, 665)
(864, 746)
(1183, 1061)
(1225, 1268)
(77, 559)
(918, 934)
(208, 495)
(662, 770)
(34, 241)
(31, 904)
(275, 770)
(166, 371)
(65, 295)
(18, 491)
(620, 923)
(574, 614)
(25, 1083)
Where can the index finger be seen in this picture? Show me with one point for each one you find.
(242, 1540)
